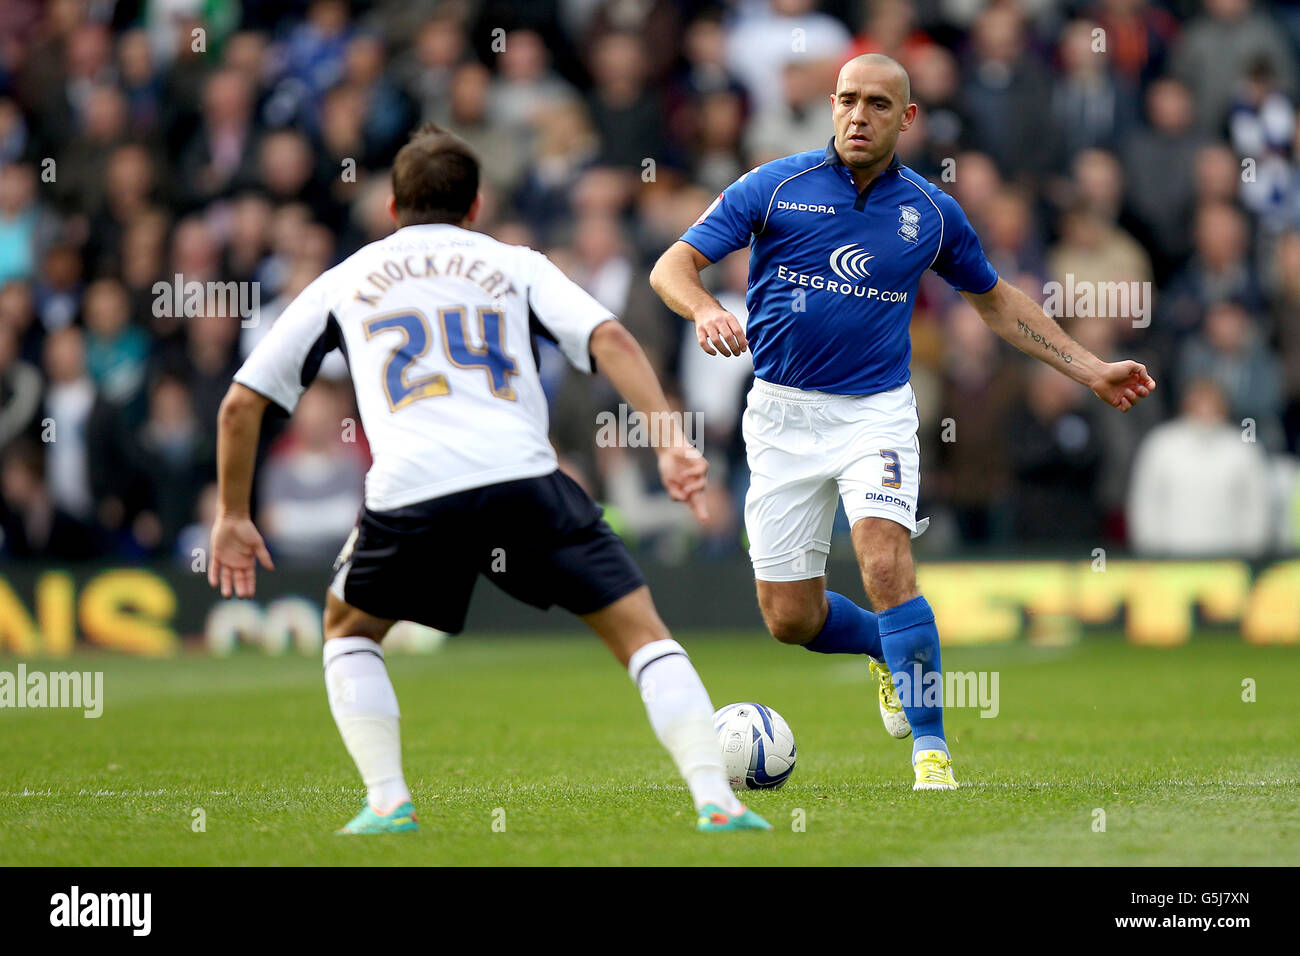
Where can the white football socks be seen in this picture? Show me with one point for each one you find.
(364, 706)
(682, 718)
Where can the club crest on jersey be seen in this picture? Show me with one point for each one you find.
(911, 223)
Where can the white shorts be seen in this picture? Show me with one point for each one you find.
(805, 449)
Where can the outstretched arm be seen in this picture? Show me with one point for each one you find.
(676, 279)
(237, 546)
(1018, 319)
(621, 359)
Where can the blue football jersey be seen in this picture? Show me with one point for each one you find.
(833, 272)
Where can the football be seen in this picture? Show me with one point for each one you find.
(757, 746)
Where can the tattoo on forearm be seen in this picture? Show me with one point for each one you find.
(1045, 342)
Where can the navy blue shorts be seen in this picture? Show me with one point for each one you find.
(541, 540)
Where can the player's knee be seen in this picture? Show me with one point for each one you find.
(791, 625)
(343, 620)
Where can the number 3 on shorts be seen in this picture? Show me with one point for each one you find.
(893, 477)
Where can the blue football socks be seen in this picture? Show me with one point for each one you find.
(911, 646)
(849, 629)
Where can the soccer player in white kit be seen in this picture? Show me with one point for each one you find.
(436, 323)
(839, 239)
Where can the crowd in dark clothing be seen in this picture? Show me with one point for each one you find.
(213, 142)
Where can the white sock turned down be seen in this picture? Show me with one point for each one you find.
(682, 718)
(364, 706)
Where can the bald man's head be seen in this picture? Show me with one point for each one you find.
(871, 105)
(878, 64)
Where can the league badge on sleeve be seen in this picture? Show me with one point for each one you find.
(712, 206)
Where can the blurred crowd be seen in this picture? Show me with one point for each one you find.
(180, 141)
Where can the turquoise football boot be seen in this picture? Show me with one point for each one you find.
(713, 819)
(401, 820)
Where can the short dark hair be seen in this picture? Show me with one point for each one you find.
(435, 177)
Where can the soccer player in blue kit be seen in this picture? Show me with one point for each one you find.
(839, 239)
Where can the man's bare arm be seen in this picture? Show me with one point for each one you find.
(620, 358)
(676, 279)
(1018, 319)
(237, 546)
(239, 423)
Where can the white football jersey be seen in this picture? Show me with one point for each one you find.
(436, 324)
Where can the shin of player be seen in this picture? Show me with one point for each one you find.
(364, 704)
(675, 699)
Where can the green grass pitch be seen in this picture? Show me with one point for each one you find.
(548, 736)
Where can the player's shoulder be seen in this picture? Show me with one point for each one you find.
(771, 174)
(946, 204)
(396, 246)
(326, 286)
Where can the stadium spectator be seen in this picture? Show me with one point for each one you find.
(497, 145)
(936, 86)
(1138, 37)
(1092, 106)
(1219, 269)
(58, 287)
(117, 351)
(1092, 254)
(20, 392)
(317, 46)
(797, 122)
(389, 112)
(1158, 161)
(174, 457)
(889, 27)
(428, 69)
(22, 237)
(18, 315)
(129, 193)
(1261, 127)
(979, 389)
(1055, 461)
(140, 82)
(1007, 95)
(220, 157)
(566, 146)
(1231, 351)
(14, 133)
(78, 185)
(526, 86)
(1283, 279)
(704, 48)
(311, 489)
(765, 40)
(70, 398)
(248, 237)
(1218, 48)
(1010, 238)
(1121, 435)
(1198, 488)
(627, 112)
(719, 124)
(31, 525)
